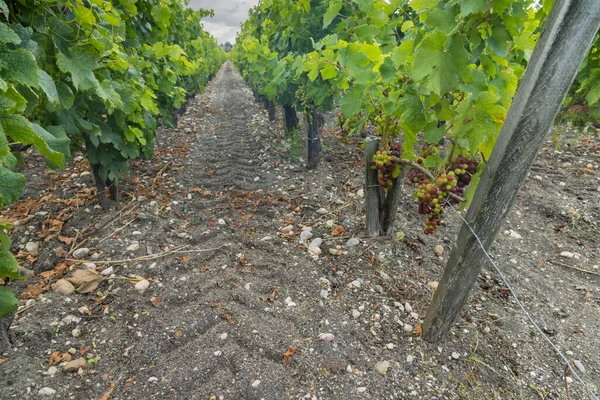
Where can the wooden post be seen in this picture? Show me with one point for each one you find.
(373, 192)
(392, 199)
(290, 119)
(313, 123)
(566, 38)
(271, 110)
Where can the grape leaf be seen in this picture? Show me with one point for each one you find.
(7, 35)
(8, 302)
(81, 65)
(48, 86)
(331, 13)
(65, 95)
(20, 66)
(468, 7)
(4, 9)
(423, 5)
(9, 267)
(11, 186)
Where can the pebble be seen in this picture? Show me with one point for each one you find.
(455, 355)
(356, 283)
(438, 250)
(409, 358)
(567, 254)
(434, 285)
(287, 229)
(26, 272)
(569, 353)
(305, 235)
(142, 285)
(408, 328)
(255, 383)
(384, 276)
(52, 371)
(322, 211)
(315, 243)
(266, 238)
(223, 336)
(107, 271)
(324, 294)
(326, 337)
(256, 179)
(407, 307)
(361, 389)
(579, 366)
(64, 287)
(32, 247)
(89, 265)
(333, 251)
(73, 366)
(83, 310)
(390, 346)
(288, 302)
(356, 314)
(153, 379)
(514, 234)
(133, 247)
(352, 242)
(81, 252)
(382, 367)
(136, 233)
(221, 221)
(46, 391)
(315, 251)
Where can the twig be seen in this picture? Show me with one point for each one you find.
(117, 230)
(155, 180)
(123, 212)
(22, 310)
(150, 257)
(575, 268)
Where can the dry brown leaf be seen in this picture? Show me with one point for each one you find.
(247, 217)
(186, 259)
(57, 357)
(65, 239)
(288, 354)
(60, 252)
(338, 231)
(3, 360)
(419, 330)
(32, 292)
(178, 333)
(155, 301)
(107, 395)
(272, 296)
(85, 280)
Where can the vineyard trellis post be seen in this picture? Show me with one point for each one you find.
(373, 192)
(290, 119)
(313, 124)
(565, 40)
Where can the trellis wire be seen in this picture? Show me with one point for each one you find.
(514, 294)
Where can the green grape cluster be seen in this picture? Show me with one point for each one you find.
(448, 187)
(387, 164)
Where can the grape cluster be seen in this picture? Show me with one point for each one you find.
(385, 162)
(447, 187)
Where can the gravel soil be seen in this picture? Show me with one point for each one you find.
(206, 290)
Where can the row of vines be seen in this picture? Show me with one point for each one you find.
(91, 75)
(433, 78)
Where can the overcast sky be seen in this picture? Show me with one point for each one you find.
(229, 14)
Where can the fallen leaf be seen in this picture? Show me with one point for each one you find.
(419, 330)
(107, 395)
(33, 291)
(338, 231)
(65, 239)
(178, 333)
(288, 354)
(155, 301)
(3, 360)
(271, 297)
(247, 217)
(85, 350)
(186, 259)
(57, 357)
(85, 280)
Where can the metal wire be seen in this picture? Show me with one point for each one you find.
(556, 349)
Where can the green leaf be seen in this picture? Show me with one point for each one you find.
(48, 86)
(52, 147)
(81, 65)
(367, 32)
(19, 66)
(8, 302)
(500, 40)
(331, 13)
(11, 186)
(443, 19)
(441, 62)
(329, 71)
(412, 113)
(4, 9)
(65, 95)
(468, 7)
(107, 93)
(9, 267)
(423, 5)
(433, 134)
(7, 35)
(351, 102)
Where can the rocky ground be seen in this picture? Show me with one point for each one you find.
(231, 272)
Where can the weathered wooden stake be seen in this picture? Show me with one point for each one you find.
(392, 199)
(290, 119)
(313, 123)
(566, 38)
(373, 192)
(271, 110)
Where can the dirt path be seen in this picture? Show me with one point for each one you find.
(240, 312)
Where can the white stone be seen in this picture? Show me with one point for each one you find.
(382, 367)
(514, 235)
(567, 254)
(221, 221)
(255, 383)
(223, 336)
(81, 252)
(32, 247)
(407, 307)
(107, 271)
(142, 285)
(305, 235)
(46, 391)
(352, 242)
(322, 211)
(133, 247)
